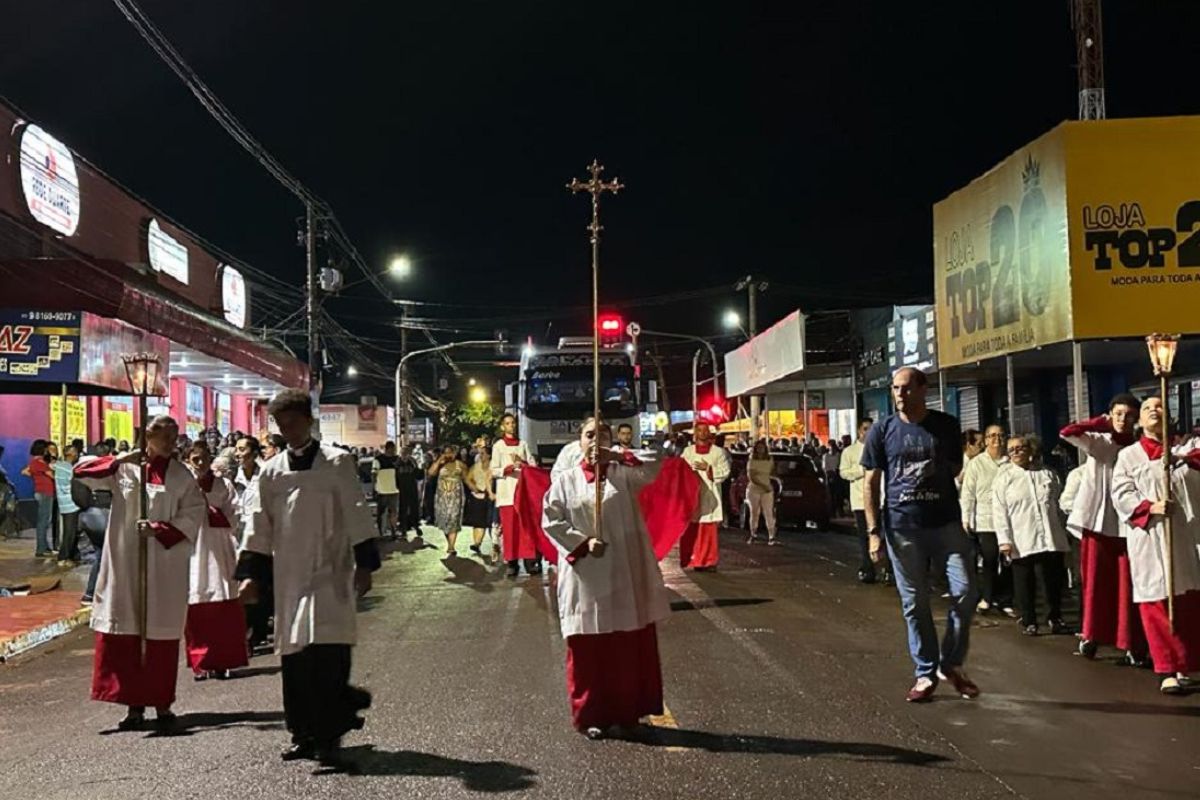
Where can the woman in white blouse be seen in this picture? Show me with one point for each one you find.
(1030, 531)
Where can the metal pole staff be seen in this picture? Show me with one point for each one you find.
(143, 542)
(595, 187)
(1162, 357)
(1168, 531)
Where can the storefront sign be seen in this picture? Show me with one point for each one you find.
(49, 181)
(194, 411)
(912, 339)
(1133, 190)
(167, 254)
(39, 345)
(773, 354)
(233, 296)
(118, 418)
(366, 417)
(76, 418)
(224, 407)
(1002, 277)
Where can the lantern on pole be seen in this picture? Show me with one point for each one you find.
(1162, 348)
(142, 370)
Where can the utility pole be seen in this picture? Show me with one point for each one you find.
(310, 313)
(403, 411)
(753, 286)
(1089, 52)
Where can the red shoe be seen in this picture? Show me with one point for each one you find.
(962, 684)
(921, 691)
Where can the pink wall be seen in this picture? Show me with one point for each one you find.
(241, 413)
(23, 418)
(179, 400)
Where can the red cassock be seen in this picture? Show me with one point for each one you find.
(668, 505)
(1175, 650)
(1109, 614)
(614, 678)
(216, 636)
(119, 674)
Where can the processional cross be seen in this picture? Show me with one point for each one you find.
(596, 187)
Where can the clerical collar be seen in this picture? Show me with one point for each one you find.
(703, 449)
(511, 441)
(303, 449)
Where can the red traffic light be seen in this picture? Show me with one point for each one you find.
(713, 411)
(610, 324)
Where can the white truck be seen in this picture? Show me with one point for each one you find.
(553, 393)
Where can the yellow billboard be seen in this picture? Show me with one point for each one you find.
(1133, 194)
(76, 418)
(1001, 269)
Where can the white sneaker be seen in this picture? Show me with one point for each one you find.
(1171, 685)
(983, 606)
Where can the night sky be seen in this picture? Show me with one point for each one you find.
(803, 142)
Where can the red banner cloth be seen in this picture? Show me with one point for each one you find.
(668, 505)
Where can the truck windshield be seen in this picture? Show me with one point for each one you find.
(565, 392)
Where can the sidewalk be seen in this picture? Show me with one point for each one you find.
(46, 597)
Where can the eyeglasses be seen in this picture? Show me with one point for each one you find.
(1012, 451)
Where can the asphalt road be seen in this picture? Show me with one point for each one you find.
(784, 678)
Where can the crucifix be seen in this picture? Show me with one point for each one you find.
(596, 187)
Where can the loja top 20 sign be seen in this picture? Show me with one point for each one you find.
(1090, 231)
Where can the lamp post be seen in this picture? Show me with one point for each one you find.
(142, 371)
(1162, 348)
(401, 409)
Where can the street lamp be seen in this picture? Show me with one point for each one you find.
(352, 371)
(732, 320)
(1162, 348)
(142, 371)
(400, 267)
(470, 381)
(478, 395)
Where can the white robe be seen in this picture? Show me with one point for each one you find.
(1136, 478)
(1024, 510)
(623, 589)
(502, 457)
(1092, 509)
(214, 555)
(178, 501)
(710, 485)
(310, 521)
(570, 457)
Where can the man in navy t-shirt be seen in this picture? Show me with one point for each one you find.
(914, 455)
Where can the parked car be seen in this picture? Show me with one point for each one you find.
(801, 495)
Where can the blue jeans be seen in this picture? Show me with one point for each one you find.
(911, 551)
(93, 523)
(45, 518)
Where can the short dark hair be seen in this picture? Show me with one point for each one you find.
(277, 441)
(508, 414)
(291, 400)
(623, 426)
(1124, 399)
(200, 445)
(254, 444)
(386, 445)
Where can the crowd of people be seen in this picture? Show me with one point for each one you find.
(985, 515)
(255, 539)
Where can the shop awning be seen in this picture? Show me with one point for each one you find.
(113, 289)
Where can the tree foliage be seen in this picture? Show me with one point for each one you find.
(465, 422)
